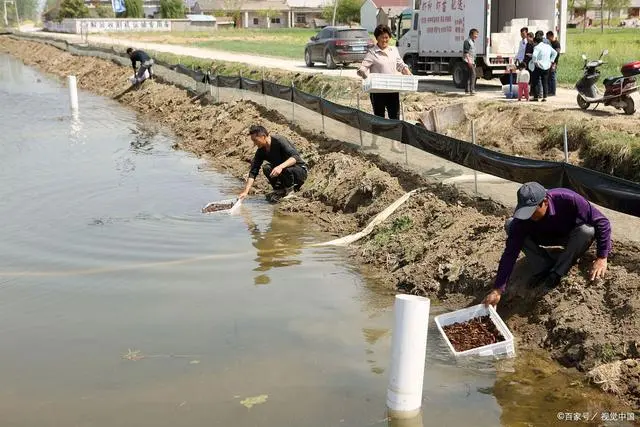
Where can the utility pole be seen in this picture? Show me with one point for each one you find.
(335, 7)
(6, 21)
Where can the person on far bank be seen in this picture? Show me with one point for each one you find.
(145, 63)
(285, 169)
(384, 59)
(469, 56)
(555, 217)
(543, 57)
(555, 44)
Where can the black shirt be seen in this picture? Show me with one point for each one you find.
(281, 150)
(556, 45)
(139, 56)
(528, 53)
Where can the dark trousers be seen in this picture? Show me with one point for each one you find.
(471, 79)
(575, 245)
(552, 82)
(293, 176)
(386, 101)
(540, 80)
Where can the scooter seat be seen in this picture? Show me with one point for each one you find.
(609, 81)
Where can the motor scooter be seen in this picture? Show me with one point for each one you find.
(616, 89)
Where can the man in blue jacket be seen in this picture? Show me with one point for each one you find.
(556, 217)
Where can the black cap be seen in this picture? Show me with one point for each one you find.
(529, 197)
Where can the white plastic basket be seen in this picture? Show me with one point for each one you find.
(232, 210)
(380, 83)
(505, 347)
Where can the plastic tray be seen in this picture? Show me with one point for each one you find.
(232, 210)
(380, 83)
(505, 347)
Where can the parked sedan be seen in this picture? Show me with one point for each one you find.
(337, 45)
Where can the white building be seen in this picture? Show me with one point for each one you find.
(376, 12)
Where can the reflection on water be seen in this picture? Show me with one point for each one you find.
(105, 254)
(279, 245)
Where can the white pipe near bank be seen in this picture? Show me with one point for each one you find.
(408, 352)
(73, 92)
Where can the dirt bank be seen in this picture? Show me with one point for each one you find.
(440, 243)
(603, 140)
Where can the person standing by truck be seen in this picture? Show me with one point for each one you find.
(469, 55)
(384, 59)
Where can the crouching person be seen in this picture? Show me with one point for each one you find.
(145, 64)
(555, 217)
(285, 169)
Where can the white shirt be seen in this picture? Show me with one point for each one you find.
(523, 76)
(521, 50)
(387, 61)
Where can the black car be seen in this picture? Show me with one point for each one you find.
(337, 45)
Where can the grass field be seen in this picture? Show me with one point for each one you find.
(623, 45)
(279, 42)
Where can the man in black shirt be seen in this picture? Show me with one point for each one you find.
(145, 63)
(552, 71)
(285, 169)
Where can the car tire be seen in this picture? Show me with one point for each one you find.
(331, 64)
(307, 58)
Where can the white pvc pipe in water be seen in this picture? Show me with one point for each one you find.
(73, 91)
(408, 352)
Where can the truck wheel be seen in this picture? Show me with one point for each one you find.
(459, 75)
(629, 106)
(582, 103)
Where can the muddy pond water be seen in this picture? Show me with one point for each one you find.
(121, 304)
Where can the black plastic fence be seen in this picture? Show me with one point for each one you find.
(606, 190)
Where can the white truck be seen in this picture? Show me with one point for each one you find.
(430, 38)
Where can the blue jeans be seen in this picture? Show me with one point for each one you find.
(552, 82)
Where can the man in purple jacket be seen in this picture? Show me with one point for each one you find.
(556, 217)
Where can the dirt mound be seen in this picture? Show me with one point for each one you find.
(609, 143)
(439, 243)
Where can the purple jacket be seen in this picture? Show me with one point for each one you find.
(567, 210)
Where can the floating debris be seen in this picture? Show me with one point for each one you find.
(133, 355)
(249, 402)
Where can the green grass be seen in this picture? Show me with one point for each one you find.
(623, 46)
(280, 42)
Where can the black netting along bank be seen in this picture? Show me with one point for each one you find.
(605, 190)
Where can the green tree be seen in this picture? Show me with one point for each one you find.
(134, 9)
(347, 11)
(27, 9)
(172, 9)
(233, 8)
(73, 9)
(615, 5)
(571, 8)
(105, 11)
(587, 5)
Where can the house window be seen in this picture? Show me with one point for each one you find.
(256, 21)
(301, 19)
(275, 20)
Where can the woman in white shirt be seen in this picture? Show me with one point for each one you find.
(384, 59)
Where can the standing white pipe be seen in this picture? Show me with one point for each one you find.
(408, 352)
(73, 92)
